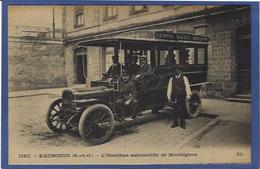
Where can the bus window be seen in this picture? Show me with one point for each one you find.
(201, 56)
(121, 56)
(189, 56)
(163, 57)
(109, 54)
(148, 57)
(177, 56)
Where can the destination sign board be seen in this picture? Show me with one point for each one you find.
(180, 36)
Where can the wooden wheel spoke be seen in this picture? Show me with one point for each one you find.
(55, 109)
(99, 114)
(95, 116)
(53, 122)
(107, 119)
(104, 125)
(59, 106)
(103, 116)
(56, 126)
(88, 132)
(61, 124)
(55, 119)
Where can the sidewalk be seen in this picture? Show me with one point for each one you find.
(27, 93)
(36, 92)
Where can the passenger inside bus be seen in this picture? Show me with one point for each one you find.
(133, 67)
(145, 68)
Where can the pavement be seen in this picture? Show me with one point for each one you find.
(224, 126)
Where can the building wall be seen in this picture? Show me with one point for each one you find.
(94, 66)
(35, 64)
(220, 27)
(95, 23)
(222, 59)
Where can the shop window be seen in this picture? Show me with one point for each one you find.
(111, 12)
(138, 9)
(79, 16)
(200, 30)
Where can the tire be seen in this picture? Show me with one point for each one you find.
(96, 124)
(55, 118)
(193, 105)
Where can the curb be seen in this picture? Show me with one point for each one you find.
(30, 95)
(197, 133)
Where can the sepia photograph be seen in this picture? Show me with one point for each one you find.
(130, 84)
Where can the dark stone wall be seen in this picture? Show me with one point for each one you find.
(35, 64)
(222, 60)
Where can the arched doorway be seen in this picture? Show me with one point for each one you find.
(80, 60)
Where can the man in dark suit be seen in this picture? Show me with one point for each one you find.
(127, 102)
(178, 92)
(133, 67)
(145, 68)
(114, 70)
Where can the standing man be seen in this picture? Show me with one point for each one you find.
(178, 92)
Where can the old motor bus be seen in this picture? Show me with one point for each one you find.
(92, 110)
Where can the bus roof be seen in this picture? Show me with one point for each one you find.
(148, 39)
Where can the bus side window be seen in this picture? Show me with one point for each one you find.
(189, 56)
(163, 57)
(176, 55)
(201, 56)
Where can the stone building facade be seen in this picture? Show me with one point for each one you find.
(34, 62)
(228, 29)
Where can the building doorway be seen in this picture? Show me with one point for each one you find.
(80, 55)
(243, 56)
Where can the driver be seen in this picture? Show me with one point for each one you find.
(127, 101)
(114, 70)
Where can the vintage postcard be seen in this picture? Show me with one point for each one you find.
(132, 84)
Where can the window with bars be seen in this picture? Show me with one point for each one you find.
(138, 9)
(110, 12)
(79, 16)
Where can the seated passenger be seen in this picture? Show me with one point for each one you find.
(145, 68)
(114, 70)
(133, 68)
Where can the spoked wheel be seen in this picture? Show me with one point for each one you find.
(194, 105)
(55, 118)
(96, 124)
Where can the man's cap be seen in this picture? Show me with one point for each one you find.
(115, 57)
(134, 57)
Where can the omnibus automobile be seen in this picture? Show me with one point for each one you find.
(92, 110)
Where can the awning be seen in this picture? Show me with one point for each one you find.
(147, 39)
